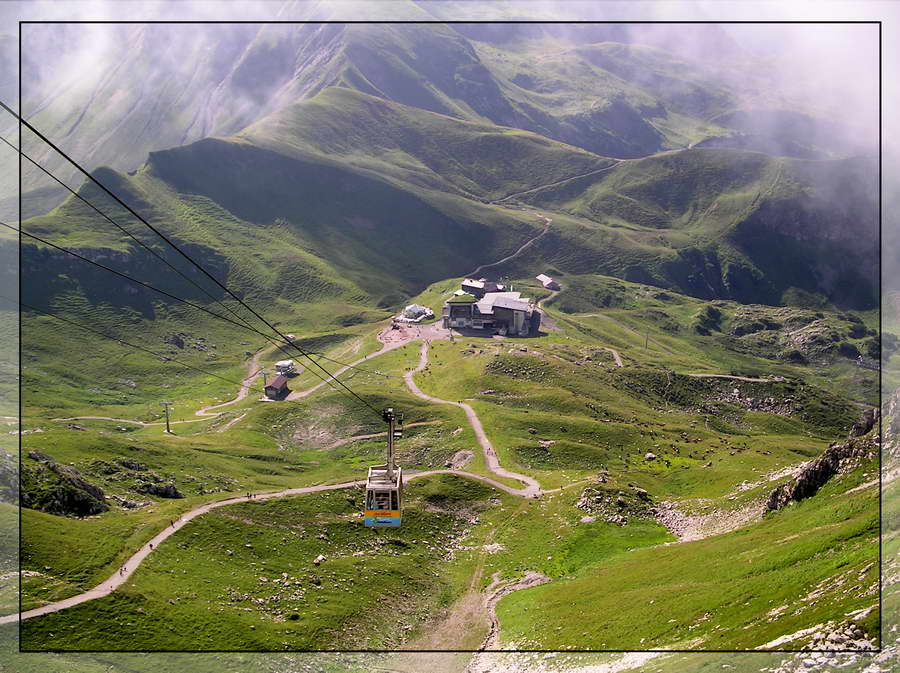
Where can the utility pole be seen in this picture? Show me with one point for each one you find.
(391, 417)
(646, 339)
(263, 372)
(168, 428)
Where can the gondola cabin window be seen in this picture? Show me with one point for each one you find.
(384, 500)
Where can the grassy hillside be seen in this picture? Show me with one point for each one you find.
(560, 411)
(329, 214)
(722, 587)
(318, 191)
(738, 225)
(432, 151)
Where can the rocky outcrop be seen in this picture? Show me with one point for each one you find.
(615, 506)
(837, 458)
(59, 489)
(160, 490)
(864, 426)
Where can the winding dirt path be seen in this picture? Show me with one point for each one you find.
(128, 568)
(616, 356)
(497, 590)
(550, 296)
(525, 245)
(205, 413)
(244, 389)
(736, 378)
(126, 420)
(433, 331)
(532, 488)
(557, 182)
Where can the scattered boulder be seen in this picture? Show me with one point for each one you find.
(176, 340)
(167, 490)
(128, 504)
(129, 464)
(459, 459)
(650, 456)
(40, 456)
(319, 560)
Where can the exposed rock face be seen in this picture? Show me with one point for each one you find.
(160, 490)
(865, 425)
(892, 430)
(59, 489)
(836, 458)
(131, 465)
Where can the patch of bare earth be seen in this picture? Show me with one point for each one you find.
(689, 527)
(460, 459)
(326, 427)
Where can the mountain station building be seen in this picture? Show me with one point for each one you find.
(508, 313)
(479, 288)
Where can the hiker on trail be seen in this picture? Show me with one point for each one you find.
(172, 523)
(151, 546)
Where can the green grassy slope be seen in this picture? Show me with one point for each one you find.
(414, 146)
(325, 185)
(256, 560)
(744, 588)
(738, 225)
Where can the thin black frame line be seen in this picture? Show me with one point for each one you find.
(55, 651)
(19, 279)
(553, 22)
(131, 345)
(880, 360)
(459, 21)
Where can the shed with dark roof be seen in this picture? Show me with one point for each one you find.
(277, 389)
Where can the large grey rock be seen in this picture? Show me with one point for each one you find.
(160, 490)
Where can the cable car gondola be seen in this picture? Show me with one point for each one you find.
(384, 486)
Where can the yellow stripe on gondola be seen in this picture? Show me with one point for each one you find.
(382, 512)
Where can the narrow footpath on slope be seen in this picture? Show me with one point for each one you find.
(518, 252)
(532, 488)
(122, 575)
(205, 413)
